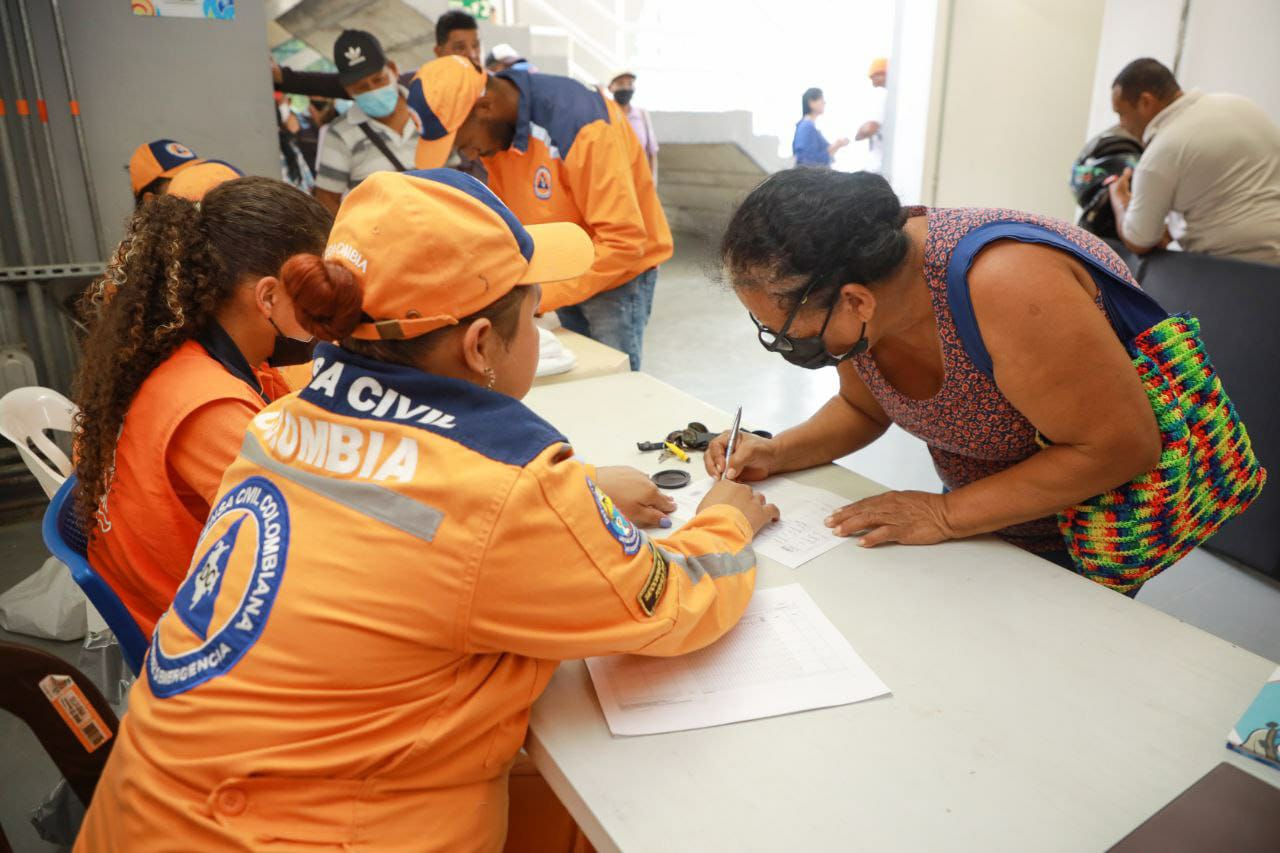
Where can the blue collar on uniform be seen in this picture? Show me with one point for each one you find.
(555, 109)
(223, 349)
(492, 424)
(524, 114)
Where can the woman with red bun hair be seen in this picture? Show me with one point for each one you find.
(398, 558)
(174, 366)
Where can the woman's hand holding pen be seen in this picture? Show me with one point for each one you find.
(754, 458)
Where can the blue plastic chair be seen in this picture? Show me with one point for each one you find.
(66, 539)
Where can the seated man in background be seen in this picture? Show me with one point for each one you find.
(377, 134)
(154, 164)
(558, 151)
(1213, 158)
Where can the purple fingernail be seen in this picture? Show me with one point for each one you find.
(664, 523)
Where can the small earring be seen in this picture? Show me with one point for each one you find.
(493, 378)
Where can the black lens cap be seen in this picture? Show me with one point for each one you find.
(671, 478)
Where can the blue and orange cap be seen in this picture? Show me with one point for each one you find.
(162, 158)
(442, 94)
(432, 247)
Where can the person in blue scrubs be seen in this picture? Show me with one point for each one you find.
(810, 147)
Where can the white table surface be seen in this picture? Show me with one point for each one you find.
(1031, 709)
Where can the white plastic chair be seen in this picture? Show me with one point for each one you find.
(25, 413)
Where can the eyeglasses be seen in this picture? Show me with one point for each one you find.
(780, 341)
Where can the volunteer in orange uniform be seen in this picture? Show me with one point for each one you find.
(181, 325)
(154, 164)
(398, 558)
(557, 151)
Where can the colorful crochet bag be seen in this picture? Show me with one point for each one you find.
(1207, 472)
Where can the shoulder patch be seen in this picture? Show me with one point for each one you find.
(542, 183)
(627, 534)
(224, 603)
(656, 584)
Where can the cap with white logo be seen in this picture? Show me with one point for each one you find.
(357, 55)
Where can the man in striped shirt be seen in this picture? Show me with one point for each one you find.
(378, 133)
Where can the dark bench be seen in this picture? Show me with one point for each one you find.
(1238, 305)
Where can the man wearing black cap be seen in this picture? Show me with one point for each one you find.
(378, 133)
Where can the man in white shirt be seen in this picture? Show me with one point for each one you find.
(873, 130)
(378, 133)
(1212, 158)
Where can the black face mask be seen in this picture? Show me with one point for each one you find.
(810, 353)
(623, 96)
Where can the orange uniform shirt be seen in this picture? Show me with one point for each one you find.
(183, 428)
(576, 159)
(394, 566)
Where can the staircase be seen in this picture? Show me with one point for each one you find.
(708, 160)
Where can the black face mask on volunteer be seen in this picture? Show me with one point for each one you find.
(810, 352)
(623, 96)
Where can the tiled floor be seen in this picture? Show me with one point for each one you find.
(701, 341)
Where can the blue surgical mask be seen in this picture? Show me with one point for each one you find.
(379, 103)
(341, 105)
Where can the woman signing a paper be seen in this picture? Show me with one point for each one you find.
(835, 272)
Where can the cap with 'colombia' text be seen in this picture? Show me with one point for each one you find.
(442, 94)
(432, 247)
(162, 158)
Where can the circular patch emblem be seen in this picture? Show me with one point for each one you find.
(177, 149)
(542, 182)
(615, 522)
(221, 608)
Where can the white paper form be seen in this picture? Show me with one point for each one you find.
(783, 656)
(799, 537)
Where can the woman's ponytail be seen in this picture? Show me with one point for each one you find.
(326, 296)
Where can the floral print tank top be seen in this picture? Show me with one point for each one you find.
(971, 429)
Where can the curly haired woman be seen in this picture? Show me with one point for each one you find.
(174, 368)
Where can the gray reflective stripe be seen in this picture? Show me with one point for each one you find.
(399, 511)
(712, 565)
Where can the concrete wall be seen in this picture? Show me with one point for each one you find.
(732, 126)
(1232, 47)
(701, 184)
(1015, 102)
(707, 163)
(202, 82)
(406, 28)
(1228, 46)
(407, 37)
(1130, 29)
(912, 114)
